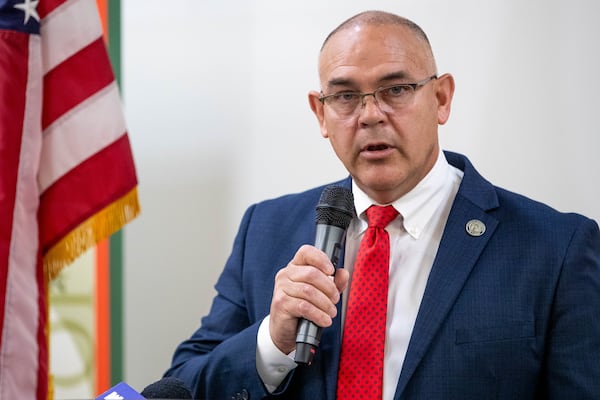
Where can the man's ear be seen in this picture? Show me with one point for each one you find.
(317, 107)
(444, 93)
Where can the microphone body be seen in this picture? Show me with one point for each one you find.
(334, 213)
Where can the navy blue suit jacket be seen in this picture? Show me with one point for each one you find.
(511, 314)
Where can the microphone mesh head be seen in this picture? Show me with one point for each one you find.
(336, 207)
(167, 388)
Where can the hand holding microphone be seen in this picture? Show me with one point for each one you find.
(334, 213)
(308, 288)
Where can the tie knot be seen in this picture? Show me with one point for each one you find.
(379, 216)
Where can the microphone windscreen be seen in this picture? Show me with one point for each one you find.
(336, 207)
(167, 388)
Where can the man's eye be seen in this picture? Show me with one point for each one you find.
(345, 97)
(397, 90)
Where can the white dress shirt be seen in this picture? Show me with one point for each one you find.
(414, 239)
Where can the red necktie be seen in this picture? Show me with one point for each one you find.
(361, 360)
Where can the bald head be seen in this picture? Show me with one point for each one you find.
(380, 18)
(375, 18)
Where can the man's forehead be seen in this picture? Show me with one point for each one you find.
(354, 30)
(362, 38)
(364, 46)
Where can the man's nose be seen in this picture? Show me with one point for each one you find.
(370, 112)
(363, 99)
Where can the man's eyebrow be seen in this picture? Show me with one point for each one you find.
(340, 82)
(392, 76)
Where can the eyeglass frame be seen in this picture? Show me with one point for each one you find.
(414, 86)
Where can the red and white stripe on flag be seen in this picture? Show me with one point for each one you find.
(67, 177)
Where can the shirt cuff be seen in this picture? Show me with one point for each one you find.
(272, 365)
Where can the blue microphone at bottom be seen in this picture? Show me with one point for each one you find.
(166, 388)
(121, 391)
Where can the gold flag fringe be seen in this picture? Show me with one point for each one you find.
(87, 234)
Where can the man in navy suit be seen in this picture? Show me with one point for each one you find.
(491, 295)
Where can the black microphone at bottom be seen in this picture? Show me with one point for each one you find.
(334, 213)
(167, 388)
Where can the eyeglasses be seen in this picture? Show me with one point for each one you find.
(388, 98)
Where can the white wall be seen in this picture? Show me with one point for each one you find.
(215, 96)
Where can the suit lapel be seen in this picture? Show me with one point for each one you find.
(457, 254)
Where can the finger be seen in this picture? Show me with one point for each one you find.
(295, 285)
(342, 276)
(310, 255)
(309, 299)
(310, 283)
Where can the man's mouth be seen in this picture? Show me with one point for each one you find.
(377, 151)
(377, 147)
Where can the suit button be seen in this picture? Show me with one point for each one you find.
(243, 395)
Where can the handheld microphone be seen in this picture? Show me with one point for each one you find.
(334, 213)
(167, 388)
(120, 391)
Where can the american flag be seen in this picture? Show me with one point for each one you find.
(67, 177)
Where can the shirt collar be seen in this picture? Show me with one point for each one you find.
(417, 206)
